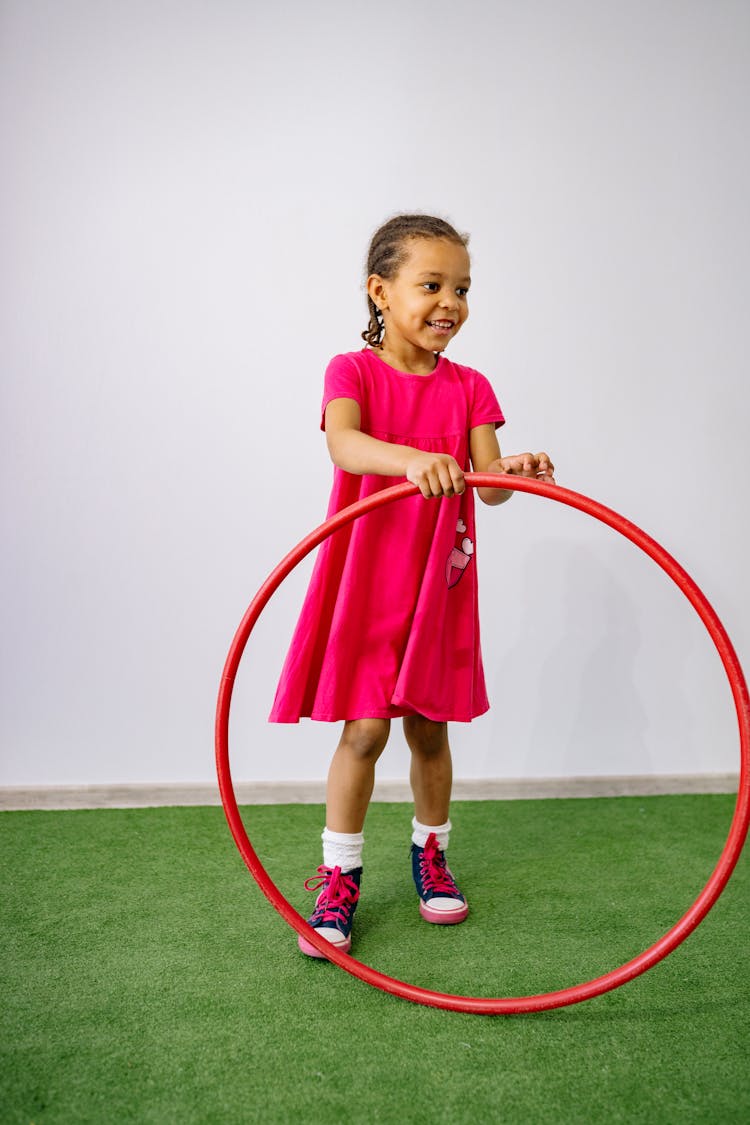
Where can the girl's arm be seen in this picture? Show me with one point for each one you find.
(436, 474)
(486, 458)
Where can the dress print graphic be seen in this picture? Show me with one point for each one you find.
(460, 556)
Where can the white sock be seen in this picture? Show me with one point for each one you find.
(342, 849)
(422, 831)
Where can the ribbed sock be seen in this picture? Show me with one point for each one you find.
(422, 831)
(342, 849)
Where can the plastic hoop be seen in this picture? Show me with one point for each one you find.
(477, 1004)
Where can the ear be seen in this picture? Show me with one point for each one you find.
(376, 290)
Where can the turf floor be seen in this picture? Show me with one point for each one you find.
(144, 977)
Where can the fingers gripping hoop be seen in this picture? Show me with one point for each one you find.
(477, 1004)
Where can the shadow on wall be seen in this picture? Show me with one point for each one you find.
(611, 671)
(590, 703)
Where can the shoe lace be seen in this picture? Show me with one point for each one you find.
(436, 878)
(340, 895)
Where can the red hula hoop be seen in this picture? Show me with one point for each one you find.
(476, 1004)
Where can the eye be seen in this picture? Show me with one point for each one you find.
(431, 286)
(462, 292)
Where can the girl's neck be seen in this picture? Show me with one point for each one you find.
(416, 363)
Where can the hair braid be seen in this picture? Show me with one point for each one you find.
(375, 329)
(388, 251)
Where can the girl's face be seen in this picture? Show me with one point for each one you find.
(425, 304)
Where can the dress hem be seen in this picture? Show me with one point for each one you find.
(380, 713)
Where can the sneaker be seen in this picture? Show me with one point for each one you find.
(440, 900)
(334, 908)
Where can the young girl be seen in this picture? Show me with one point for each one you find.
(389, 628)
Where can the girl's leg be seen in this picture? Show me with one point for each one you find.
(440, 900)
(431, 768)
(351, 775)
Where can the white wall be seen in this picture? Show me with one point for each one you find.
(187, 194)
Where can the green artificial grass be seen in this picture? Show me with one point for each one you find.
(145, 978)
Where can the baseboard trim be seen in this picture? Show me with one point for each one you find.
(313, 792)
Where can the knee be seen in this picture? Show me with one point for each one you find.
(425, 736)
(365, 739)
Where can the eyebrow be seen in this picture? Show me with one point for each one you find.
(433, 273)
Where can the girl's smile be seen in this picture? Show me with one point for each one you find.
(442, 327)
(424, 305)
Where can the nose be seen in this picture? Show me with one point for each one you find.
(449, 300)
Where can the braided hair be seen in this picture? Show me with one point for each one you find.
(388, 251)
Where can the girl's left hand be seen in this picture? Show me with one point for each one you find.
(526, 465)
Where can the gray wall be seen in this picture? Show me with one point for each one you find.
(187, 194)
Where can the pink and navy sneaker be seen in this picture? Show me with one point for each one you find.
(440, 900)
(334, 908)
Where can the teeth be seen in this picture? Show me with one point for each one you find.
(441, 323)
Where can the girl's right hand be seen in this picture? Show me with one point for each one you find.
(435, 474)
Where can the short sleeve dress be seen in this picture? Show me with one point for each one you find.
(390, 623)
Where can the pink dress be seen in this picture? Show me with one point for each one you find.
(390, 625)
